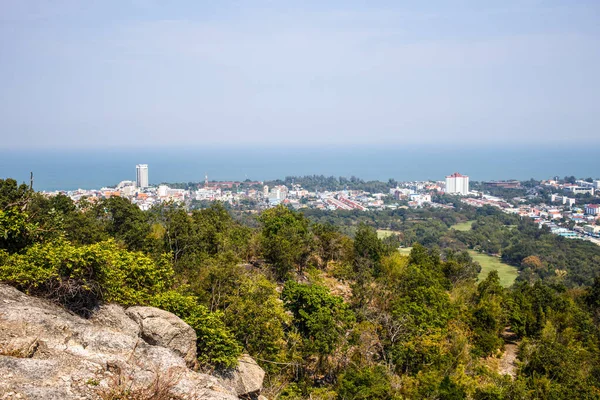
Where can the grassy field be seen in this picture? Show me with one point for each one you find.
(463, 226)
(405, 250)
(507, 273)
(383, 233)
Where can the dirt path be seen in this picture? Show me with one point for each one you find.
(508, 361)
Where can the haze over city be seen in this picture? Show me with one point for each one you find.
(83, 74)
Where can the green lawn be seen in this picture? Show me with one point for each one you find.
(383, 233)
(507, 273)
(463, 226)
(405, 251)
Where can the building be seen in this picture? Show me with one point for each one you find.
(503, 184)
(277, 194)
(592, 209)
(457, 184)
(593, 230)
(141, 175)
(564, 232)
(555, 198)
(580, 190)
(420, 199)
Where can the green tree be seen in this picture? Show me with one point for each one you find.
(257, 317)
(285, 240)
(368, 246)
(320, 317)
(124, 221)
(365, 383)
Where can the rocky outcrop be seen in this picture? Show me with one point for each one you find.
(114, 316)
(47, 352)
(165, 329)
(245, 380)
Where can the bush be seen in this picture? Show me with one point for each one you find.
(79, 277)
(319, 316)
(216, 344)
(365, 383)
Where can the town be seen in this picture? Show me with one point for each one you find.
(568, 207)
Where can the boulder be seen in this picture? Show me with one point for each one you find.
(47, 352)
(162, 328)
(114, 316)
(245, 380)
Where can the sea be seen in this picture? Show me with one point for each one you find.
(70, 169)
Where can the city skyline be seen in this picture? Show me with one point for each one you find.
(63, 169)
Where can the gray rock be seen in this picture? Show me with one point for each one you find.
(114, 316)
(162, 328)
(47, 352)
(246, 379)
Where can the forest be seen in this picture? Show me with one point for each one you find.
(328, 309)
(571, 263)
(322, 183)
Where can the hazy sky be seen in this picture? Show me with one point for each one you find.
(85, 73)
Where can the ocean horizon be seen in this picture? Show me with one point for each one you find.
(72, 169)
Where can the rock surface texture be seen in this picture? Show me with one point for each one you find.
(162, 328)
(245, 380)
(49, 353)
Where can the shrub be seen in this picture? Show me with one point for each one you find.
(365, 383)
(79, 277)
(320, 317)
(216, 344)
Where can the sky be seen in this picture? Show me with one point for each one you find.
(85, 74)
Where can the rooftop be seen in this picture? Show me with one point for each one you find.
(457, 175)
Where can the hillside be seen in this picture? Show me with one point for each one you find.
(325, 315)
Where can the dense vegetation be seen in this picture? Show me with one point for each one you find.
(328, 315)
(568, 262)
(323, 183)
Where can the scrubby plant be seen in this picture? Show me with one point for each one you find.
(79, 277)
(216, 344)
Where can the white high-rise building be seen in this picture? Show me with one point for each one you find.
(141, 175)
(457, 184)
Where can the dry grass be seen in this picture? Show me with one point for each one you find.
(123, 387)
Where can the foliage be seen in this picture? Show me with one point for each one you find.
(285, 240)
(320, 317)
(331, 183)
(16, 232)
(81, 276)
(328, 309)
(124, 221)
(368, 247)
(216, 344)
(257, 317)
(365, 383)
(488, 318)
